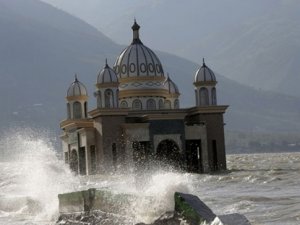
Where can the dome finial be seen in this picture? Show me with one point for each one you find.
(106, 64)
(168, 76)
(135, 28)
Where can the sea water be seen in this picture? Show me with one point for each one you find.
(263, 187)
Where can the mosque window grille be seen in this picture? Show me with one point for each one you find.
(161, 104)
(69, 110)
(196, 97)
(204, 98)
(168, 104)
(176, 104)
(99, 99)
(77, 110)
(109, 96)
(124, 104)
(137, 104)
(151, 105)
(214, 96)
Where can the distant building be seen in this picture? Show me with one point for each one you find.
(138, 121)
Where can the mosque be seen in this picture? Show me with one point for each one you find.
(138, 122)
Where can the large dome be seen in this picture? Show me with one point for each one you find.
(205, 74)
(76, 89)
(137, 60)
(140, 72)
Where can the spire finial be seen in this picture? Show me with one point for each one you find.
(135, 28)
(168, 76)
(203, 61)
(76, 80)
(106, 64)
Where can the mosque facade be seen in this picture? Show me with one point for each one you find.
(138, 122)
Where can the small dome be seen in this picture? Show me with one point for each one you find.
(171, 86)
(205, 74)
(76, 89)
(107, 75)
(137, 60)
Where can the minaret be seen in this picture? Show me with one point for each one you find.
(205, 86)
(77, 98)
(107, 88)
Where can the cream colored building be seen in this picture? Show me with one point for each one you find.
(138, 122)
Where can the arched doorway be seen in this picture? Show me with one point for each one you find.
(74, 161)
(167, 153)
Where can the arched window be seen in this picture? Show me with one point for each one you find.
(124, 104)
(214, 96)
(161, 104)
(117, 98)
(168, 153)
(99, 99)
(196, 97)
(151, 105)
(176, 104)
(85, 109)
(74, 161)
(136, 104)
(77, 111)
(167, 104)
(69, 110)
(204, 96)
(109, 96)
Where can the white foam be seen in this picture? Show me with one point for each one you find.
(35, 175)
(160, 188)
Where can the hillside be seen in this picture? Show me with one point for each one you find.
(41, 48)
(255, 42)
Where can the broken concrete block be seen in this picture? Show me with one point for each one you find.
(193, 210)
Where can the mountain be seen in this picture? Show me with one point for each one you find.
(41, 49)
(255, 42)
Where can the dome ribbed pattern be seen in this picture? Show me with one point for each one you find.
(107, 75)
(76, 89)
(137, 60)
(205, 74)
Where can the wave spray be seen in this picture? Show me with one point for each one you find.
(31, 176)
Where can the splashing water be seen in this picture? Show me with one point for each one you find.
(31, 176)
(154, 191)
(264, 187)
